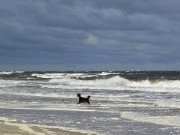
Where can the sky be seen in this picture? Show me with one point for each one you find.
(89, 35)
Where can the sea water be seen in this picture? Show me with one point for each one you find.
(129, 102)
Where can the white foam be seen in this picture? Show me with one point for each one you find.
(6, 73)
(112, 83)
(17, 83)
(158, 84)
(115, 83)
(10, 72)
(49, 75)
(9, 83)
(162, 120)
(107, 73)
(168, 103)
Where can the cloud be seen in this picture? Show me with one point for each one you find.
(89, 32)
(92, 40)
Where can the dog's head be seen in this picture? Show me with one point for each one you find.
(78, 95)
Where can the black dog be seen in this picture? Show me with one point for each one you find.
(83, 100)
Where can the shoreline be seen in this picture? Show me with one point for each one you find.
(12, 128)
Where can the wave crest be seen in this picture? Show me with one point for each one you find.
(116, 83)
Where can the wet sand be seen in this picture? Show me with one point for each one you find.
(9, 128)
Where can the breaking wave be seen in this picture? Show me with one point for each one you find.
(141, 81)
(115, 83)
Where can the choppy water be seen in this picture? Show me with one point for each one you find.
(131, 102)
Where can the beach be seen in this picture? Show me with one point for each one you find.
(11, 128)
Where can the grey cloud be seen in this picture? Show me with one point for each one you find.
(145, 6)
(89, 32)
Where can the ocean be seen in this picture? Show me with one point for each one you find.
(121, 103)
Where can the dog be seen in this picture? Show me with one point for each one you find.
(82, 99)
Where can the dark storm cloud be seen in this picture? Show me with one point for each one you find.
(89, 32)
